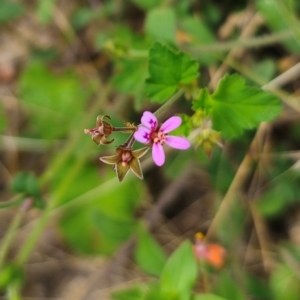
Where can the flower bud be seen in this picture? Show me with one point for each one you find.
(102, 130)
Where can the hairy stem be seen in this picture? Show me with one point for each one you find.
(7, 240)
(16, 200)
(124, 129)
(168, 104)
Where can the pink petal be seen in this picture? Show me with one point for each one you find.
(149, 120)
(142, 135)
(158, 154)
(171, 124)
(177, 142)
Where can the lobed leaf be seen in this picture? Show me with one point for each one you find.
(168, 71)
(235, 107)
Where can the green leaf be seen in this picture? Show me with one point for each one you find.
(133, 293)
(179, 274)
(282, 180)
(201, 34)
(27, 184)
(147, 4)
(10, 11)
(113, 228)
(45, 10)
(130, 78)
(227, 286)
(203, 101)
(3, 118)
(257, 287)
(11, 275)
(154, 293)
(148, 253)
(236, 107)
(49, 96)
(284, 283)
(265, 68)
(19, 183)
(34, 190)
(83, 16)
(208, 297)
(160, 24)
(104, 220)
(168, 71)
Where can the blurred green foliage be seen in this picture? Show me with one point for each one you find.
(54, 101)
(158, 19)
(148, 253)
(10, 11)
(11, 275)
(149, 59)
(3, 119)
(284, 283)
(179, 274)
(27, 184)
(168, 71)
(277, 20)
(105, 221)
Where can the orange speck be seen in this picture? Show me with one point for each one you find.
(215, 255)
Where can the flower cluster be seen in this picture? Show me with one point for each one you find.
(149, 133)
(206, 136)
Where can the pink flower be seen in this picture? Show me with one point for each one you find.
(150, 133)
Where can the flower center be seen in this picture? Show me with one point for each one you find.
(158, 137)
(126, 158)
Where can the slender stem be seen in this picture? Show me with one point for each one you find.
(168, 104)
(27, 247)
(253, 42)
(129, 143)
(27, 144)
(249, 43)
(124, 129)
(10, 235)
(16, 200)
(135, 53)
(13, 293)
(283, 78)
(288, 15)
(235, 187)
(25, 251)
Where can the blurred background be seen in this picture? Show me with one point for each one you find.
(67, 226)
